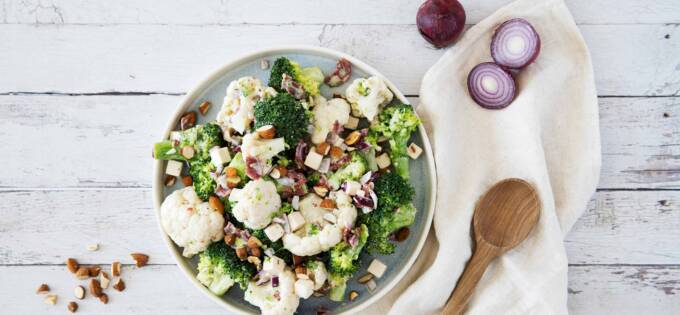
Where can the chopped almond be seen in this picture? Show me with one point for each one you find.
(83, 273)
(216, 204)
(43, 289)
(140, 259)
(187, 121)
(336, 152)
(352, 138)
(94, 271)
(323, 148)
(72, 265)
(204, 107)
(327, 204)
(115, 269)
(95, 287)
(242, 253)
(187, 181)
(282, 170)
(232, 172)
(266, 132)
(119, 285)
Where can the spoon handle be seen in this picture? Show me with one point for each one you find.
(483, 255)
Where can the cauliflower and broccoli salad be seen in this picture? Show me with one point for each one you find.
(286, 189)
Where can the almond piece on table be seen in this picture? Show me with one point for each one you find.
(72, 306)
(95, 287)
(82, 273)
(51, 299)
(140, 259)
(104, 279)
(115, 269)
(43, 289)
(119, 285)
(72, 265)
(104, 298)
(204, 107)
(266, 132)
(92, 247)
(79, 292)
(94, 271)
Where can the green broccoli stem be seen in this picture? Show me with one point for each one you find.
(338, 288)
(401, 166)
(161, 149)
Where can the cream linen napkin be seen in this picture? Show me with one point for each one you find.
(549, 136)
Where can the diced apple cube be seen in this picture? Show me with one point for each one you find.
(352, 187)
(383, 160)
(174, 168)
(219, 156)
(313, 159)
(352, 123)
(304, 288)
(274, 232)
(377, 268)
(414, 151)
(296, 220)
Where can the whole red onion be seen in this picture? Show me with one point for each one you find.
(440, 22)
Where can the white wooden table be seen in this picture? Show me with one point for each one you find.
(87, 86)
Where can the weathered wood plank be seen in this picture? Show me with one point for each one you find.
(87, 141)
(627, 228)
(170, 58)
(301, 11)
(624, 290)
(46, 227)
(164, 290)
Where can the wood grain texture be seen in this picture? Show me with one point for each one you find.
(304, 12)
(598, 290)
(171, 58)
(83, 143)
(47, 226)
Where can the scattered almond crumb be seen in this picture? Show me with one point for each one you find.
(51, 299)
(119, 285)
(43, 289)
(140, 259)
(93, 247)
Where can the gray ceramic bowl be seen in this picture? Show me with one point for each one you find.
(213, 89)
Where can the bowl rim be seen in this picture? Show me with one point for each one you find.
(193, 94)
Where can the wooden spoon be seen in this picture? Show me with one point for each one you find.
(503, 218)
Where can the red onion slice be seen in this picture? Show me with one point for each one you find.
(515, 44)
(491, 86)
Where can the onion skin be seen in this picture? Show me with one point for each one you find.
(441, 22)
(488, 99)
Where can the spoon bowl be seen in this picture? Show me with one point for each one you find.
(504, 216)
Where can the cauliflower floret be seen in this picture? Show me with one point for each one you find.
(319, 234)
(189, 222)
(239, 103)
(280, 300)
(326, 113)
(256, 203)
(261, 149)
(367, 96)
(317, 271)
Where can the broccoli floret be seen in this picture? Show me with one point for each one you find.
(353, 170)
(396, 123)
(392, 190)
(204, 183)
(202, 138)
(310, 78)
(286, 208)
(281, 66)
(343, 264)
(287, 116)
(394, 211)
(219, 268)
